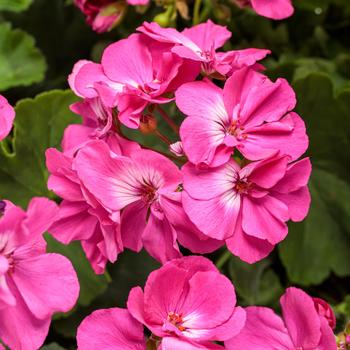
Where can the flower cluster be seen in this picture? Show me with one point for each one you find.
(232, 176)
(188, 304)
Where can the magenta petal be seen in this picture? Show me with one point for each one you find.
(111, 329)
(264, 330)
(20, 329)
(212, 306)
(172, 343)
(47, 283)
(208, 35)
(41, 213)
(264, 218)
(327, 341)
(160, 240)
(7, 116)
(136, 305)
(279, 9)
(301, 318)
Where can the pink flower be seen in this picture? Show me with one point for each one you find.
(277, 9)
(33, 285)
(250, 114)
(323, 309)
(188, 304)
(104, 15)
(144, 189)
(81, 217)
(132, 82)
(300, 328)
(111, 329)
(7, 115)
(249, 206)
(200, 43)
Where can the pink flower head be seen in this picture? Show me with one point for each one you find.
(188, 304)
(7, 115)
(200, 43)
(324, 309)
(251, 114)
(104, 15)
(248, 207)
(131, 82)
(33, 284)
(276, 9)
(300, 328)
(81, 217)
(111, 329)
(143, 188)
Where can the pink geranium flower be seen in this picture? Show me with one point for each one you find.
(251, 114)
(144, 189)
(131, 82)
(81, 217)
(33, 284)
(301, 327)
(188, 304)
(276, 9)
(104, 15)
(200, 43)
(7, 115)
(111, 329)
(249, 206)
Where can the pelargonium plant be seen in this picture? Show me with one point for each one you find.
(234, 175)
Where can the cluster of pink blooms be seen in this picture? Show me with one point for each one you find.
(240, 182)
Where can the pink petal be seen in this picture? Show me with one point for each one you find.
(279, 9)
(110, 329)
(136, 305)
(7, 116)
(264, 330)
(47, 283)
(41, 213)
(121, 67)
(133, 224)
(287, 135)
(298, 203)
(264, 218)
(20, 329)
(73, 223)
(327, 341)
(301, 318)
(172, 343)
(160, 240)
(208, 35)
(246, 247)
(209, 303)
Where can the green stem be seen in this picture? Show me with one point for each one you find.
(223, 259)
(196, 8)
(168, 120)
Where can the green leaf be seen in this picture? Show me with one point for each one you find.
(15, 5)
(21, 63)
(321, 243)
(39, 124)
(91, 285)
(256, 284)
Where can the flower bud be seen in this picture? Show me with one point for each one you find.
(148, 124)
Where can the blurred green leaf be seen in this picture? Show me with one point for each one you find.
(256, 284)
(321, 243)
(39, 124)
(21, 63)
(15, 5)
(91, 285)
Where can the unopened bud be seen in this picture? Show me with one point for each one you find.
(148, 124)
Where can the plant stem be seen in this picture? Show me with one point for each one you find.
(196, 8)
(168, 120)
(162, 137)
(223, 259)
